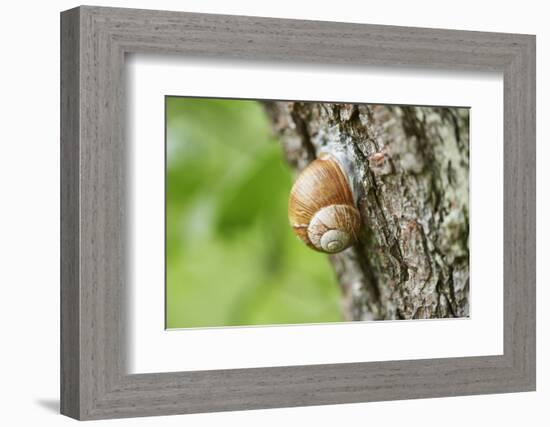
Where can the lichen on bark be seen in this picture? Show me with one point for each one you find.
(412, 256)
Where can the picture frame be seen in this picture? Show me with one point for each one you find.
(94, 268)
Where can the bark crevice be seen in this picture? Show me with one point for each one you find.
(412, 257)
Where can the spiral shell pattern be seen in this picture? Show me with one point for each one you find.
(321, 210)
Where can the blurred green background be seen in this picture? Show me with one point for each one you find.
(231, 257)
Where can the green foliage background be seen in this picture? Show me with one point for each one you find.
(231, 258)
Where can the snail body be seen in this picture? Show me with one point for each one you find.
(322, 209)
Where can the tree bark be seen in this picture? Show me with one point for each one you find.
(412, 257)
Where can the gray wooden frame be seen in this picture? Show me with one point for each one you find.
(94, 382)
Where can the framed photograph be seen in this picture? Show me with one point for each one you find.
(261, 213)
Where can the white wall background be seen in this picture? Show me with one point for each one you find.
(29, 212)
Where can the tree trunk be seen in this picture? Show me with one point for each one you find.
(412, 257)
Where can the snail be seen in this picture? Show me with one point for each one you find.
(322, 210)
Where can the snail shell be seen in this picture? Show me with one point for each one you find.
(321, 208)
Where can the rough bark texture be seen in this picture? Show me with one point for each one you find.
(412, 257)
